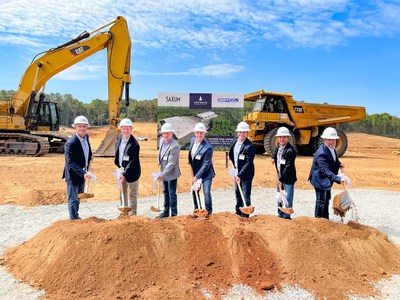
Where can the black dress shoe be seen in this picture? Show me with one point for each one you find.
(162, 215)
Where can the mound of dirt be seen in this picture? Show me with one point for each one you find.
(43, 197)
(183, 258)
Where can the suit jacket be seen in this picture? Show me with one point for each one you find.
(324, 169)
(75, 160)
(169, 162)
(202, 165)
(131, 165)
(287, 169)
(245, 166)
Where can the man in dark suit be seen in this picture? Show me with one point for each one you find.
(241, 154)
(324, 170)
(78, 155)
(284, 160)
(200, 160)
(127, 159)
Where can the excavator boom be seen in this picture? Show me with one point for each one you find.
(22, 116)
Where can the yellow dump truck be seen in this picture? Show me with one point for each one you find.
(306, 121)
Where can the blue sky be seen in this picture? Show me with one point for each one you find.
(335, 51)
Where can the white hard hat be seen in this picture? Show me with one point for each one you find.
(167, 127)
(283, 131)
(125, 122)
(330, 134)
(81, 120)
(200, 127)
(243, 126)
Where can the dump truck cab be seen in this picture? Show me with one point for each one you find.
(305, 121)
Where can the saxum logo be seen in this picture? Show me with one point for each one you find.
(172, 99)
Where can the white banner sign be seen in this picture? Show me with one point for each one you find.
(173, 99)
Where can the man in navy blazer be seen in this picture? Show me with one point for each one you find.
(200, 159)
(324, 170)
(241, 154)
(127, 159)
(78, 155)
(284, 160)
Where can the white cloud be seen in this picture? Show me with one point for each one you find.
(213, 25)
(217, 71)
(82, 71)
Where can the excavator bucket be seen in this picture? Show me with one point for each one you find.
(107, 146)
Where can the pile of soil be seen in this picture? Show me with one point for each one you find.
(183, 258)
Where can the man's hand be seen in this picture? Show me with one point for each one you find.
(86, 176)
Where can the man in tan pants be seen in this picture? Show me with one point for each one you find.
(127, 159)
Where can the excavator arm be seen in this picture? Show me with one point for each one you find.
(20, 114)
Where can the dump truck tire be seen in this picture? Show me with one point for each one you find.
(342, 143)
(270, 141)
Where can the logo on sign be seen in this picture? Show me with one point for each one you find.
(200, 101)
(79, 50)
(228, 100)
(172, 99)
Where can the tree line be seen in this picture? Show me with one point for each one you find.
(96, 111)
(382, 124)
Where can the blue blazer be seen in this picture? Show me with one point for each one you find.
(75, 160)
(202, 165)
(324, 169)
(245, 166)
(132, 164)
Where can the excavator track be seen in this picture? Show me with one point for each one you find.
(23, 144)
(56, 140)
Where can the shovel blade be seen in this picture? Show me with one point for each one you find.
(247, 210)
(155, 209)
(287, 210)
(124, 209)
(85, 195)
(200, 213)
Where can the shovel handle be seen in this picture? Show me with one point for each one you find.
(241, 193)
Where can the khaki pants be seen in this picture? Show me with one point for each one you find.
(130, 190)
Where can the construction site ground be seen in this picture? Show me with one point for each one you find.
(184, 258)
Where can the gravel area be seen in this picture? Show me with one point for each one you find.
(376, 208)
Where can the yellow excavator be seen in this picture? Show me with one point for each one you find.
(30, 126)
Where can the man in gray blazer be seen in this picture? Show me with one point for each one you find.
(168, 160)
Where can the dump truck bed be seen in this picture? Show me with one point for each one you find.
(303, 114)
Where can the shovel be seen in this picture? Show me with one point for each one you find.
(286, 210)
(247, 209)
(124, 207)
(86, 194)
(200, 213)
(157, 209)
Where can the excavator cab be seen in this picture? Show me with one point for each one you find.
(49, 117)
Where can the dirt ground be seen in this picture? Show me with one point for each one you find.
(369, 162)
(183, 258)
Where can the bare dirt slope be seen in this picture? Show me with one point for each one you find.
(180, 258)
(37, 181)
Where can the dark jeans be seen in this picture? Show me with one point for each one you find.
(289, 189)
(246, 188)
(207, 197)
(170, 197)
(73, 200)
(322, 203)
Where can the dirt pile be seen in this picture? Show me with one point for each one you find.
(183, 258)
